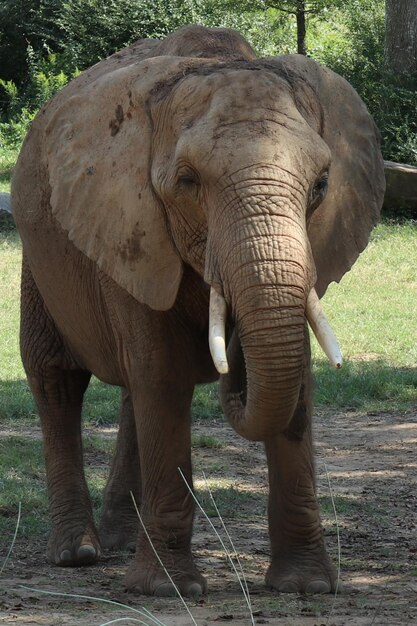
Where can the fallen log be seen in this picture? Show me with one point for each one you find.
(401, 191)
(6, 218)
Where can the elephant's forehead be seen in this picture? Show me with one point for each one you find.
(233, 93)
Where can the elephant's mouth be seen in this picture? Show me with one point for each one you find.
(260, 382)
(314, 315)
(235, 382)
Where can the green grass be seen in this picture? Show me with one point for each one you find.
(15, 399)
(101, 404)
(373, 308)
(354, 508)
(23, 479)
(232, 502)
(206, 403)
(372, 312)
(205, 441)
(7, 161)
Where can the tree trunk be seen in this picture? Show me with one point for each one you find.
(401, 35)
(301, 28)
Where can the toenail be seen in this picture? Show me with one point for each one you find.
(65, 556)
(195, 590)
(318, 586)
(288, 586)
(165, 590)
(86, 552)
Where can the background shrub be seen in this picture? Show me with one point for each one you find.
(44, 43)
(352, 44)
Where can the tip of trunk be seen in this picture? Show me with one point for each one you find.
(267, 408)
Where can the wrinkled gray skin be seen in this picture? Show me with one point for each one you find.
(165, 169)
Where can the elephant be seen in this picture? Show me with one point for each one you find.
(181, 190)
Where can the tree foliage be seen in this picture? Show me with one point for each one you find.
(391, 97)
(43, 43)
(298, 10)
(26, 25)
(109, 25)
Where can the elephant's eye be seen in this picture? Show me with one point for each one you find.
(318, 192)
(188, 180)
(320, 188)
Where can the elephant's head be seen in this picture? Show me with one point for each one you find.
(263, 175)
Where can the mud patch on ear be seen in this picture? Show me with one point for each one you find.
(132, 249)
(116, 123)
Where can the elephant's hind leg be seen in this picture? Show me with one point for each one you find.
(119, 522)
(58, 386)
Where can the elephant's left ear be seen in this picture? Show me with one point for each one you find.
(339, 229)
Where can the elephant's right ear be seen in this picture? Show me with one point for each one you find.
(98, 144)
(339, 229)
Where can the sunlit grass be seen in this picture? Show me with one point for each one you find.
(10, 262)
(22, 479)
(205, 441)
(372, 311)
(8, 159)
(235, 501)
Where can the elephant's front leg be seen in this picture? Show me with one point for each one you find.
(162, 411)
(299, 563)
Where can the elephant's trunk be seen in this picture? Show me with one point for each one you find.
(260, 392)
(314, 314)
(265, 281)
(238, 404)
(258, 257)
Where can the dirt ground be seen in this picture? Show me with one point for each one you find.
(370, 462)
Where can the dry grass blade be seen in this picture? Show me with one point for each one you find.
(338, 544)
(152, 617)
(142, 613)
(13, 540)
(125, 619)
(160, 561)
(378, 608)
(235, 554)
(246, 596)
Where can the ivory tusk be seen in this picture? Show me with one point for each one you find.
(322, 330)
(217, 331)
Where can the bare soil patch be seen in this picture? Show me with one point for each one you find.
(371, 463)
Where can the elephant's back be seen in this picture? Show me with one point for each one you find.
(190, 41)
(137, 52)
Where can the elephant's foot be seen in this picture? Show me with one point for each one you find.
(119, 523)
(150, 579)
(303, 570)
(118, 537)
(72, 548)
